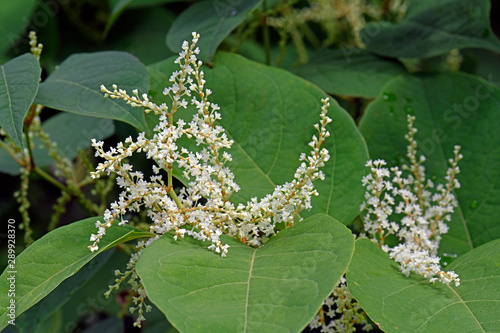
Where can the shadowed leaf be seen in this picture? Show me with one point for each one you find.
(18, 86)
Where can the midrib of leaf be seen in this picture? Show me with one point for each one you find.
(460, 301)
(8, 96)
(468, 309)
(248, 289)
(443, 158)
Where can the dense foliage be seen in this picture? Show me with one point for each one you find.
(156, 180)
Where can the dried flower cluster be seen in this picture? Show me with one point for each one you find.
(341, 20)
(202, 209)
(424, 208)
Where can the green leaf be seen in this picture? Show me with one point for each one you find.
(433, 27)
(450, 109)
(53, 258)
(146, 40)
(70, 131)
(255, 51)
(32, 319)
(119, 6)
(213, 20)
(349, 72)
(483, 63)
(270, 113)
(18, 86)
(83, 298)
(276, 288)
(401, 304)
(14, 15)
(75, 86)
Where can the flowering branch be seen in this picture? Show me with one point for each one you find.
(424, 213)
(209, 178)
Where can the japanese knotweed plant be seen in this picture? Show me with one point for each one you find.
(425, 209)
(202, 209)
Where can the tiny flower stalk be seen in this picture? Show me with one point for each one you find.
(202, 209)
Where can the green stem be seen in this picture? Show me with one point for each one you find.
(170, 185)
(315, 42)
(176, 199)
(11, 153)
(30, 151)
(51, 180)
(86, 204)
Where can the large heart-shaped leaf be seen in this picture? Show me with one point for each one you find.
(433, 27)
(75, 86)
(213, 20)
(18, 86)
(400, 304)
(276, 288)
(450, 109)
(53, 258)
(349, 72)
(269, 113)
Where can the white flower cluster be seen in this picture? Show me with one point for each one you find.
(425, 209)
(340, 312)
(203, 204)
